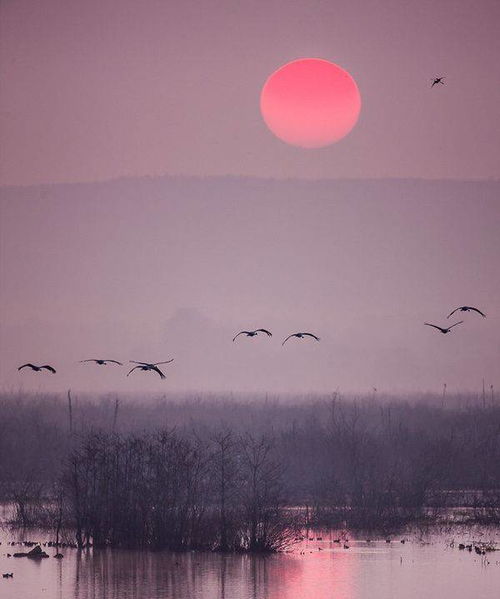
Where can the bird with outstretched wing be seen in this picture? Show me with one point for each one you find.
(151, 366)
(443, 330)
(300, 336)
(151, 363)
(146, 367)
(437, 80)
(466, 309)
(38, 368)
(253, 333)
(102, 362)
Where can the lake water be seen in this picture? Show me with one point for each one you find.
(425, 566)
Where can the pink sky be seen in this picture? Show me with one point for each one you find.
(103, 88)
(160, 268)
(147, 268)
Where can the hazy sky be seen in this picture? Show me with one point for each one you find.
(160, 268)
(148, 267)
(96, 89)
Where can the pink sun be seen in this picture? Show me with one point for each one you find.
(310, 103)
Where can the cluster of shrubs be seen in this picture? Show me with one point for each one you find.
(177, 491)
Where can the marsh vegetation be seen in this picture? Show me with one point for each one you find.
(244, 473)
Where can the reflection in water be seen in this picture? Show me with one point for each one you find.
(313, 570)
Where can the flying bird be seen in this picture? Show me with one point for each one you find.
(300, 336)
(466, 309)
(443, 329)
(437, 80)
(253, 333)
(145, 366)
(103, 362)
(38, 368)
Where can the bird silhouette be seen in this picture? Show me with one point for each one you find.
(253, 333)
(38, 368)
(443, 330)
(466, 309)
(102, 362)
(300, 336)
(437, 80)
(145, 366)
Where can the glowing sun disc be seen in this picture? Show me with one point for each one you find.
(310, 102)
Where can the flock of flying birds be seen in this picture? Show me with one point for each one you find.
(269, 334)
(153, 366)
(144, 366)
(445, 330)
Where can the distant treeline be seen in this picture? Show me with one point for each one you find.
(243, 473)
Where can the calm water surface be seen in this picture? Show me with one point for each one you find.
(423, 567)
